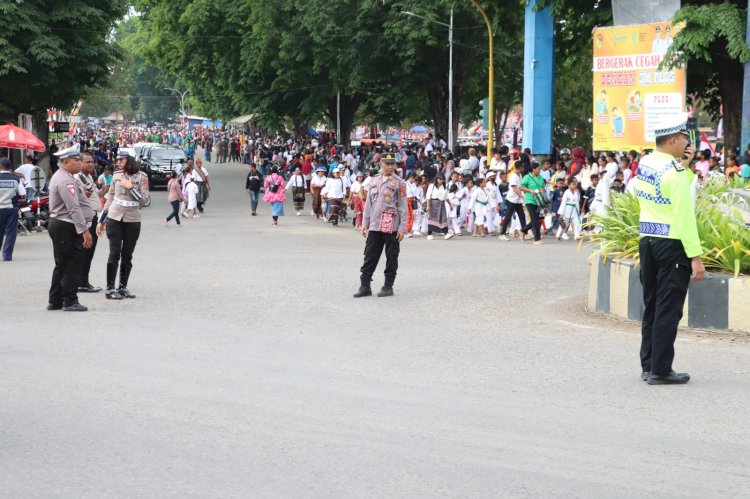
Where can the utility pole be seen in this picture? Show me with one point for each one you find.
(491, 82)
(745, 137)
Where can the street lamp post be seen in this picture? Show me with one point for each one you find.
(450, 68)
(491, 95)
(182, 99)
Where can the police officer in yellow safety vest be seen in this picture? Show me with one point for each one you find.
(670, 250)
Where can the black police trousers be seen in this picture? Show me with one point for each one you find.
(665, 276)
(376, 241)
(88, 254)
(67, 246)
(122, 238)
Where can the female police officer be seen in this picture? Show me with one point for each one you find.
(127, 193)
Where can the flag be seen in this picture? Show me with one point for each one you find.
(705, 144)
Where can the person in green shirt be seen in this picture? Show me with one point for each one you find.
(670, 250)
(532, 185)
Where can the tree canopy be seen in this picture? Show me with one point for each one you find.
(52, 53)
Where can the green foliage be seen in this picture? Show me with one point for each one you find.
(52, 53)
(724, 237)
(287, 60)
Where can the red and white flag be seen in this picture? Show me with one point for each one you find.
(705, 144)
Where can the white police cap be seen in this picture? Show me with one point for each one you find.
(70, 152)
(674, 124)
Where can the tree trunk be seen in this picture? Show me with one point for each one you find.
(437, 97)
(299, 127)
(349, 106)
(730, 80)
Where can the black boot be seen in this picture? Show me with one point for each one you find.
(111, 293)
(364, 288)
(124, 276)
(385, 291)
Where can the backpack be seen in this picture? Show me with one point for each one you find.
(273, 186)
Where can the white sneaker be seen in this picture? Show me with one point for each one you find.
(407, 236)
(565, 237)
(503, 238)
(299, 213)
(448, 236)
(417, 234)
(430, 238)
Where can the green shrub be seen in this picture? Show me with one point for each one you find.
(722, 230)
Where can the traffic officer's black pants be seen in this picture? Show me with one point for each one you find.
(376, 241)
(122, 238)
(67, 246)
(88, 254)
(665, 276)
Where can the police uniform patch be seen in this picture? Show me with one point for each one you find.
(71, 189)
(402, 190)
(393, 183)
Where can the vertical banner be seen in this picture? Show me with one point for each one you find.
(632, 95)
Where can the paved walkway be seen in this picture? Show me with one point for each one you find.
(245, 369)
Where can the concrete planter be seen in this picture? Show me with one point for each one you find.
(718, 302)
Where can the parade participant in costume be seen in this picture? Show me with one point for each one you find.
(316, 186)
(670, 250)
(275, 194)
(454, 203)
(358, 205)
(122, 219)
(412, 203)
(298, 185)
(200, 177)
(334, 193)
(68, 230)
(10, 188)
(91, 209)
(383, 225)
(437, 218)
(568, 214)
(253, 183)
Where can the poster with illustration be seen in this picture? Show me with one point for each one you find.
(633, 94)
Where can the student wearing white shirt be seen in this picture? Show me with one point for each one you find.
(298, 185)
(437, 196)
(334, 194)
(514, 201)
(495, 199)
(464, 194)
(317, 183)
(478, 205)
(28, 171)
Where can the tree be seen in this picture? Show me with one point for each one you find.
(712, 43)
(53, 53)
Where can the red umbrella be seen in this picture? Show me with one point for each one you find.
(14, 137)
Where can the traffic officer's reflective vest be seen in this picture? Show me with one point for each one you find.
(666, 200)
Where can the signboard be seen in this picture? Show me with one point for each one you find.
(632, 95)
(60, 126)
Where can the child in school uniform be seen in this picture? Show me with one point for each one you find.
(454, 203)
(568, 213)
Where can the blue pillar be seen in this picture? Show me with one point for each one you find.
(538, 79)
(745, 140)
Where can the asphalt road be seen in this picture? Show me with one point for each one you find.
(245, 369)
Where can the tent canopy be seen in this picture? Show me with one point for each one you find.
(418, 129)
(241, 120)
(116, 116)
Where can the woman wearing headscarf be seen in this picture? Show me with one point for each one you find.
(275, 194)
(121, 216)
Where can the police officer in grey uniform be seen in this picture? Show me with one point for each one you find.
(384, 225)
(68, 230)
(10, 188)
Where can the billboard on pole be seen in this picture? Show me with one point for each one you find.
(632, 95)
